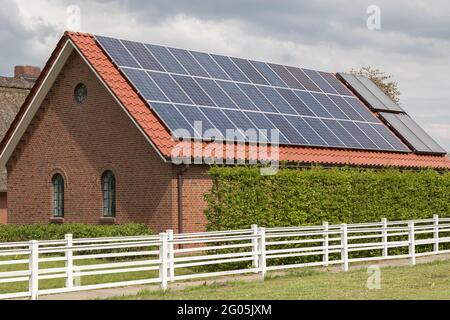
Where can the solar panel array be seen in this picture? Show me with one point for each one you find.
(413, 133)
(369, 92)
(309, 108)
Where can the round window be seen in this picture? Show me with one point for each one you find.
(80, 93)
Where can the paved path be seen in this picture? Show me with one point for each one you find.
(133, 290)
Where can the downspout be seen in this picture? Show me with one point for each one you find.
(180, 181)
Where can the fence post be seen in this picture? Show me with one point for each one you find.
(325, 243)
(171, 256)
(262, 252)
(412, 243)
(69, 260)
(385, 237)
(255, 246)
(344, 243)
(163, 237)
(34, 269)
(436, 232)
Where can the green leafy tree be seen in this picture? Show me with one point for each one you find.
(382, 80)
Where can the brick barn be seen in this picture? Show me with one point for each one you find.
(88, 146)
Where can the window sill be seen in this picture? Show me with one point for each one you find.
(107, 220)
(56, 220)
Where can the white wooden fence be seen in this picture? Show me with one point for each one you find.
(172, 257)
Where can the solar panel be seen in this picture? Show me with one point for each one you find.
(416, 137)
(145, 85)
(174, 120)
(317, 78)
(188, 62)
(208, 63)
(309, 108)
(170, 88)
(257, 97)
(193, 90)
(236, 94)
(221, 99)
(331, 139)
(286, 76)
(250, 71)
(143, 56)
(369, 92)
(230, 68)
(268, 73)
(301, 77)
(295, 102)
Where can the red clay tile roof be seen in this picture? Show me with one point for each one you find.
(161, 137)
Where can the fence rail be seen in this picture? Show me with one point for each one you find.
(170, 257)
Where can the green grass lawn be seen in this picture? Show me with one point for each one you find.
(426, 281)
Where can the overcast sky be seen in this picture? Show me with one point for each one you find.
(413, 43)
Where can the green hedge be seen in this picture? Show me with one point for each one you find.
(241, 196)
(15, 233)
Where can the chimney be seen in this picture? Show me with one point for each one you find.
(26, 72)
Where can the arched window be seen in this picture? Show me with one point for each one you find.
(58, 196)
(109, 194)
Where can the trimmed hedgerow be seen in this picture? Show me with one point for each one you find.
(16, 233)
(241, 196)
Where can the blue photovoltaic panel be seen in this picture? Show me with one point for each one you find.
(118, 52)
(286, 76)
(330, 106)
(257, 97)
(306, 131)
(195, 118)
(174, 120)
(188, 62)
(374, 136)
(230, 68)
(250, 71)
(336, 84)
(222, 123)
(310, 108)
(277, 100)
(330, 138)
(295, 102)
(145, 85)
(359, 135)
(346, 108)
(246, 127)
(313, 104)
(341, 133)
(143, 56)
(263, 123)
(193, 90)
(208, 63)
(362, 110)
(166, 59)
(287, 129)
(268, 73)
(300, 75)
(392, 139)
(236, 94)
(169, 87)
(216, 93)
(319, 81)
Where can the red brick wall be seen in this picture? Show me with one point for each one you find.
(3, 218)
(195, 185)
(81, 142)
